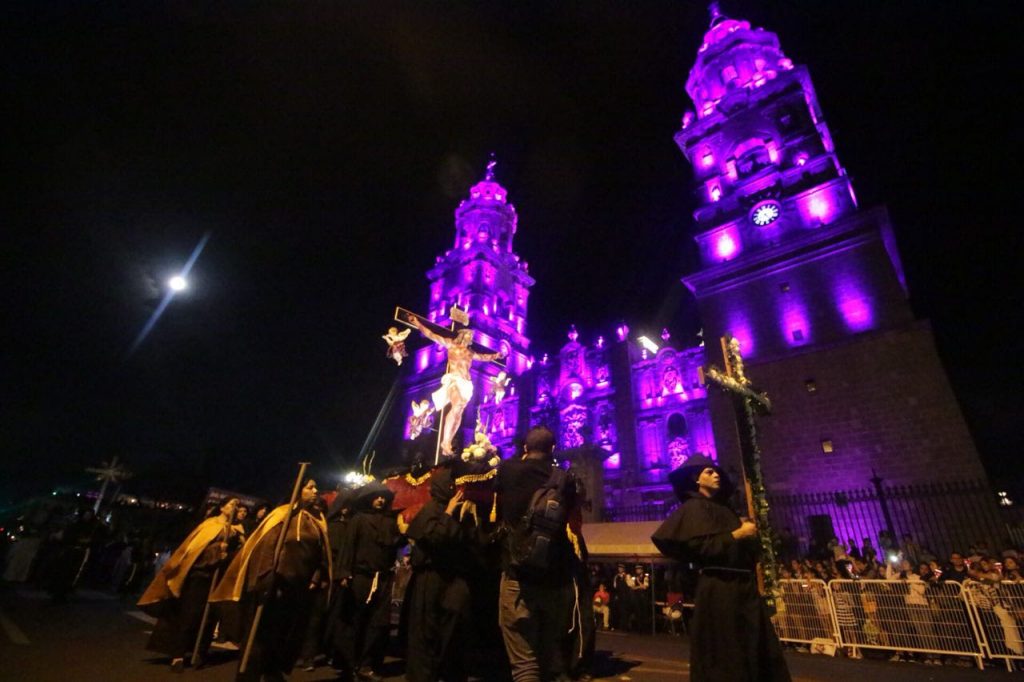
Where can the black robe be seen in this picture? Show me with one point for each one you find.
(733, 639)
(438, 597)
(366, 561)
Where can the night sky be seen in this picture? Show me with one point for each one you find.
(325, 147)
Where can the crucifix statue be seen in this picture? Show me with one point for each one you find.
(747, 402)
(456, 384)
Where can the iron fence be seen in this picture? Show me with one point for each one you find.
(941, 517)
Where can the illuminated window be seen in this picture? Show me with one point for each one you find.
(826, 446)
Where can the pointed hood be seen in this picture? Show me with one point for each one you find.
(442, 485)
(362, 498)
(684, 479)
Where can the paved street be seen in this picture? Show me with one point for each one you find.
(95, 638)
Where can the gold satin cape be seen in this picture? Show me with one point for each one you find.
(168, 582)
(232, 585)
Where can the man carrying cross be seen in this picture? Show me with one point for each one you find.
(733, 637)
(456, 384)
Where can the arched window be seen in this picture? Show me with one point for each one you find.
(677, 427)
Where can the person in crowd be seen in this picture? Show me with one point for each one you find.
(867, 550)
(916, 610)
(339, 630)
(438, 596)
(365, 565)
(956, 570)
(640, 598)
(1011, 570)
(853, 550)
(535, 609)
(732, 635)
(286, 594)
(177, 596)
(241, 514)
(255, 518)
(72, 553)
(313, 642)
(601, 605)
(621, 595)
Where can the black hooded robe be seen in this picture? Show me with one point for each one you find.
(438, 606)
(367, 561)
(732, 637)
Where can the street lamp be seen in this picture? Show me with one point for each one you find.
(177, 283)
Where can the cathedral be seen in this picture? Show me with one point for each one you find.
(808, 281)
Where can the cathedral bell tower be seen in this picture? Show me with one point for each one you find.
(482, 275)
(809, 283)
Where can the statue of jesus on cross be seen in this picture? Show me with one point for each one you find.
(456, 384)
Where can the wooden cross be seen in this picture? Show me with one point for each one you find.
(110, 472)
(748, 402)
(459, 318)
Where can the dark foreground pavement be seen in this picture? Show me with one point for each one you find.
(96, 638)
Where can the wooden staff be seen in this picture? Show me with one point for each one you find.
(202, 623)
(273, 573)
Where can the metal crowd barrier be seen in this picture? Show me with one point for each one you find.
(904, 616)
(804, 612)
(998, 611)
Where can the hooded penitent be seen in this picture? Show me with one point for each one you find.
(442, 486)
(684, 479)
(732, 637)
(363, 497)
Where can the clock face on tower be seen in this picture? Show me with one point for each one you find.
(765, 213)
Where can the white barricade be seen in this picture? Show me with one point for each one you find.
(998, 610)
(804, 613)
(899, 615)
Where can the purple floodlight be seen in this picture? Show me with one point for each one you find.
(725, 246)
(740, 329)
(854, 305)
(795, 324)
(622, 331)
(818, 207)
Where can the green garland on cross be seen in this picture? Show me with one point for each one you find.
(748, 402)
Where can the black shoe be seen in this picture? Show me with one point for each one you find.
(366, 674)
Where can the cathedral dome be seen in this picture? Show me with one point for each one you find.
(732, 56)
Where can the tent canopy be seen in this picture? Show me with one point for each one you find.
(625, 540)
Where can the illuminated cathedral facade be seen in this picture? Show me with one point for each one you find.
(638, 411)
(810, 283)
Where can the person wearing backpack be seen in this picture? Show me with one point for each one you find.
(538, 595)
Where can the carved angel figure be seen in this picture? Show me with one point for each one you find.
(422, 417)
(396, 344)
